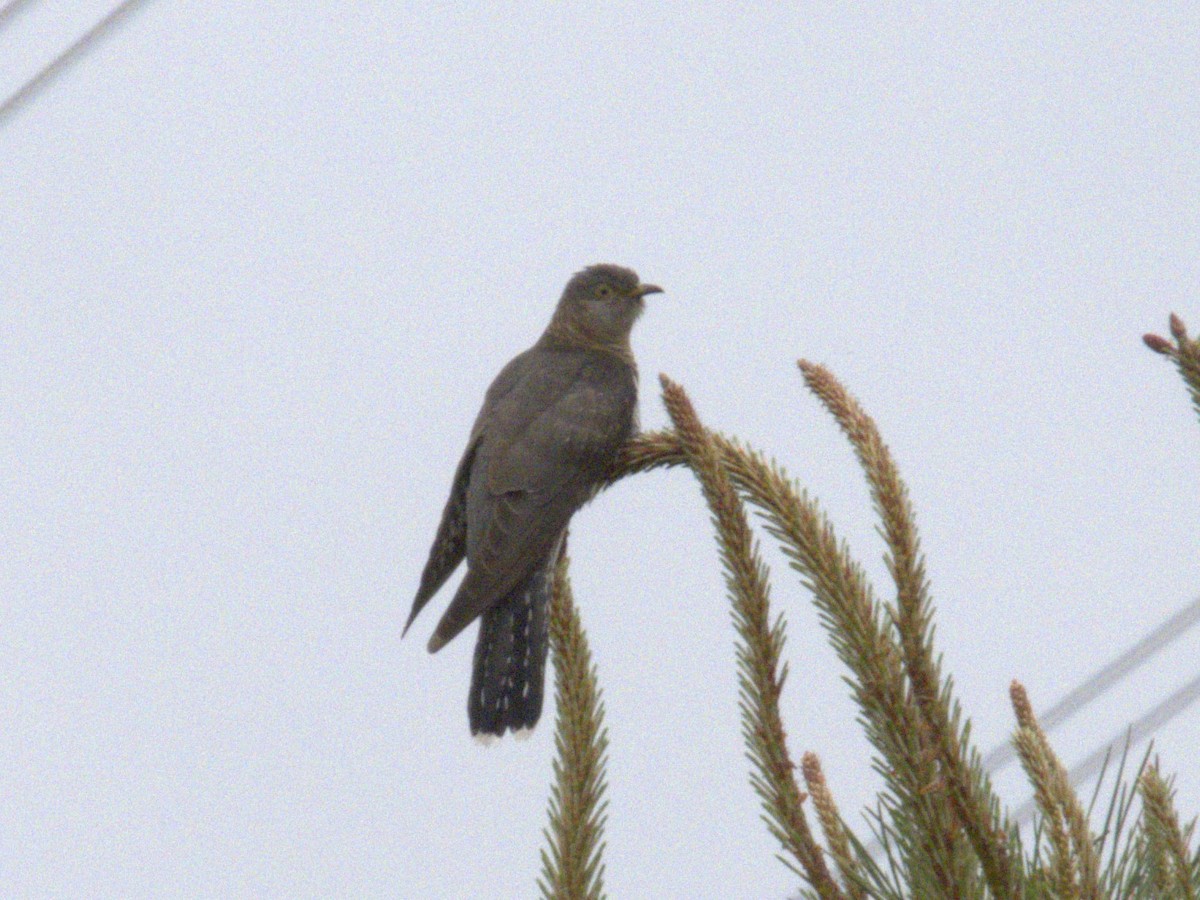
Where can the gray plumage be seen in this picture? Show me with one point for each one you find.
(551, 425)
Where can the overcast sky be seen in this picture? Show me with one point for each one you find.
(260, 262)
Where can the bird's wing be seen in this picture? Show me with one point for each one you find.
(450, 544)
(539, 459)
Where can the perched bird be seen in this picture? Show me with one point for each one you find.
(551, 425)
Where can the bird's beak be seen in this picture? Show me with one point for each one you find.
(644, 289)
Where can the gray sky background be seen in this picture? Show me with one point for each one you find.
(260, 262)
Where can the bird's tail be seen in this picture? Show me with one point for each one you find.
(510, 658)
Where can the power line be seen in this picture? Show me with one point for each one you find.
(90, 39)
(1102, 680)
(11, 9)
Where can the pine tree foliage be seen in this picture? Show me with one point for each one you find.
(942, 829)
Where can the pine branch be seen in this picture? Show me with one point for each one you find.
(1165, 842)
(1075, 867)
(1060, 873)
(938, 820)
(1185, 352)
(572, 864)
(925, 833)
(760, 646)
(969, 791)
(831, 825)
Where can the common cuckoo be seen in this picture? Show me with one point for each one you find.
(551, 425)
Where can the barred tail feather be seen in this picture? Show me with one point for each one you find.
(510, 658)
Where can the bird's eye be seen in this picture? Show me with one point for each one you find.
(604, 292)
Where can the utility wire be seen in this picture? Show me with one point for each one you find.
(8, 10)
(1102, 680)
(46, 75)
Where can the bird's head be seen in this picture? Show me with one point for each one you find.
(600, 305)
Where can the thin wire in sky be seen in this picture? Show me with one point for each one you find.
(46, 75)
(1102, 680)
(10, 9)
